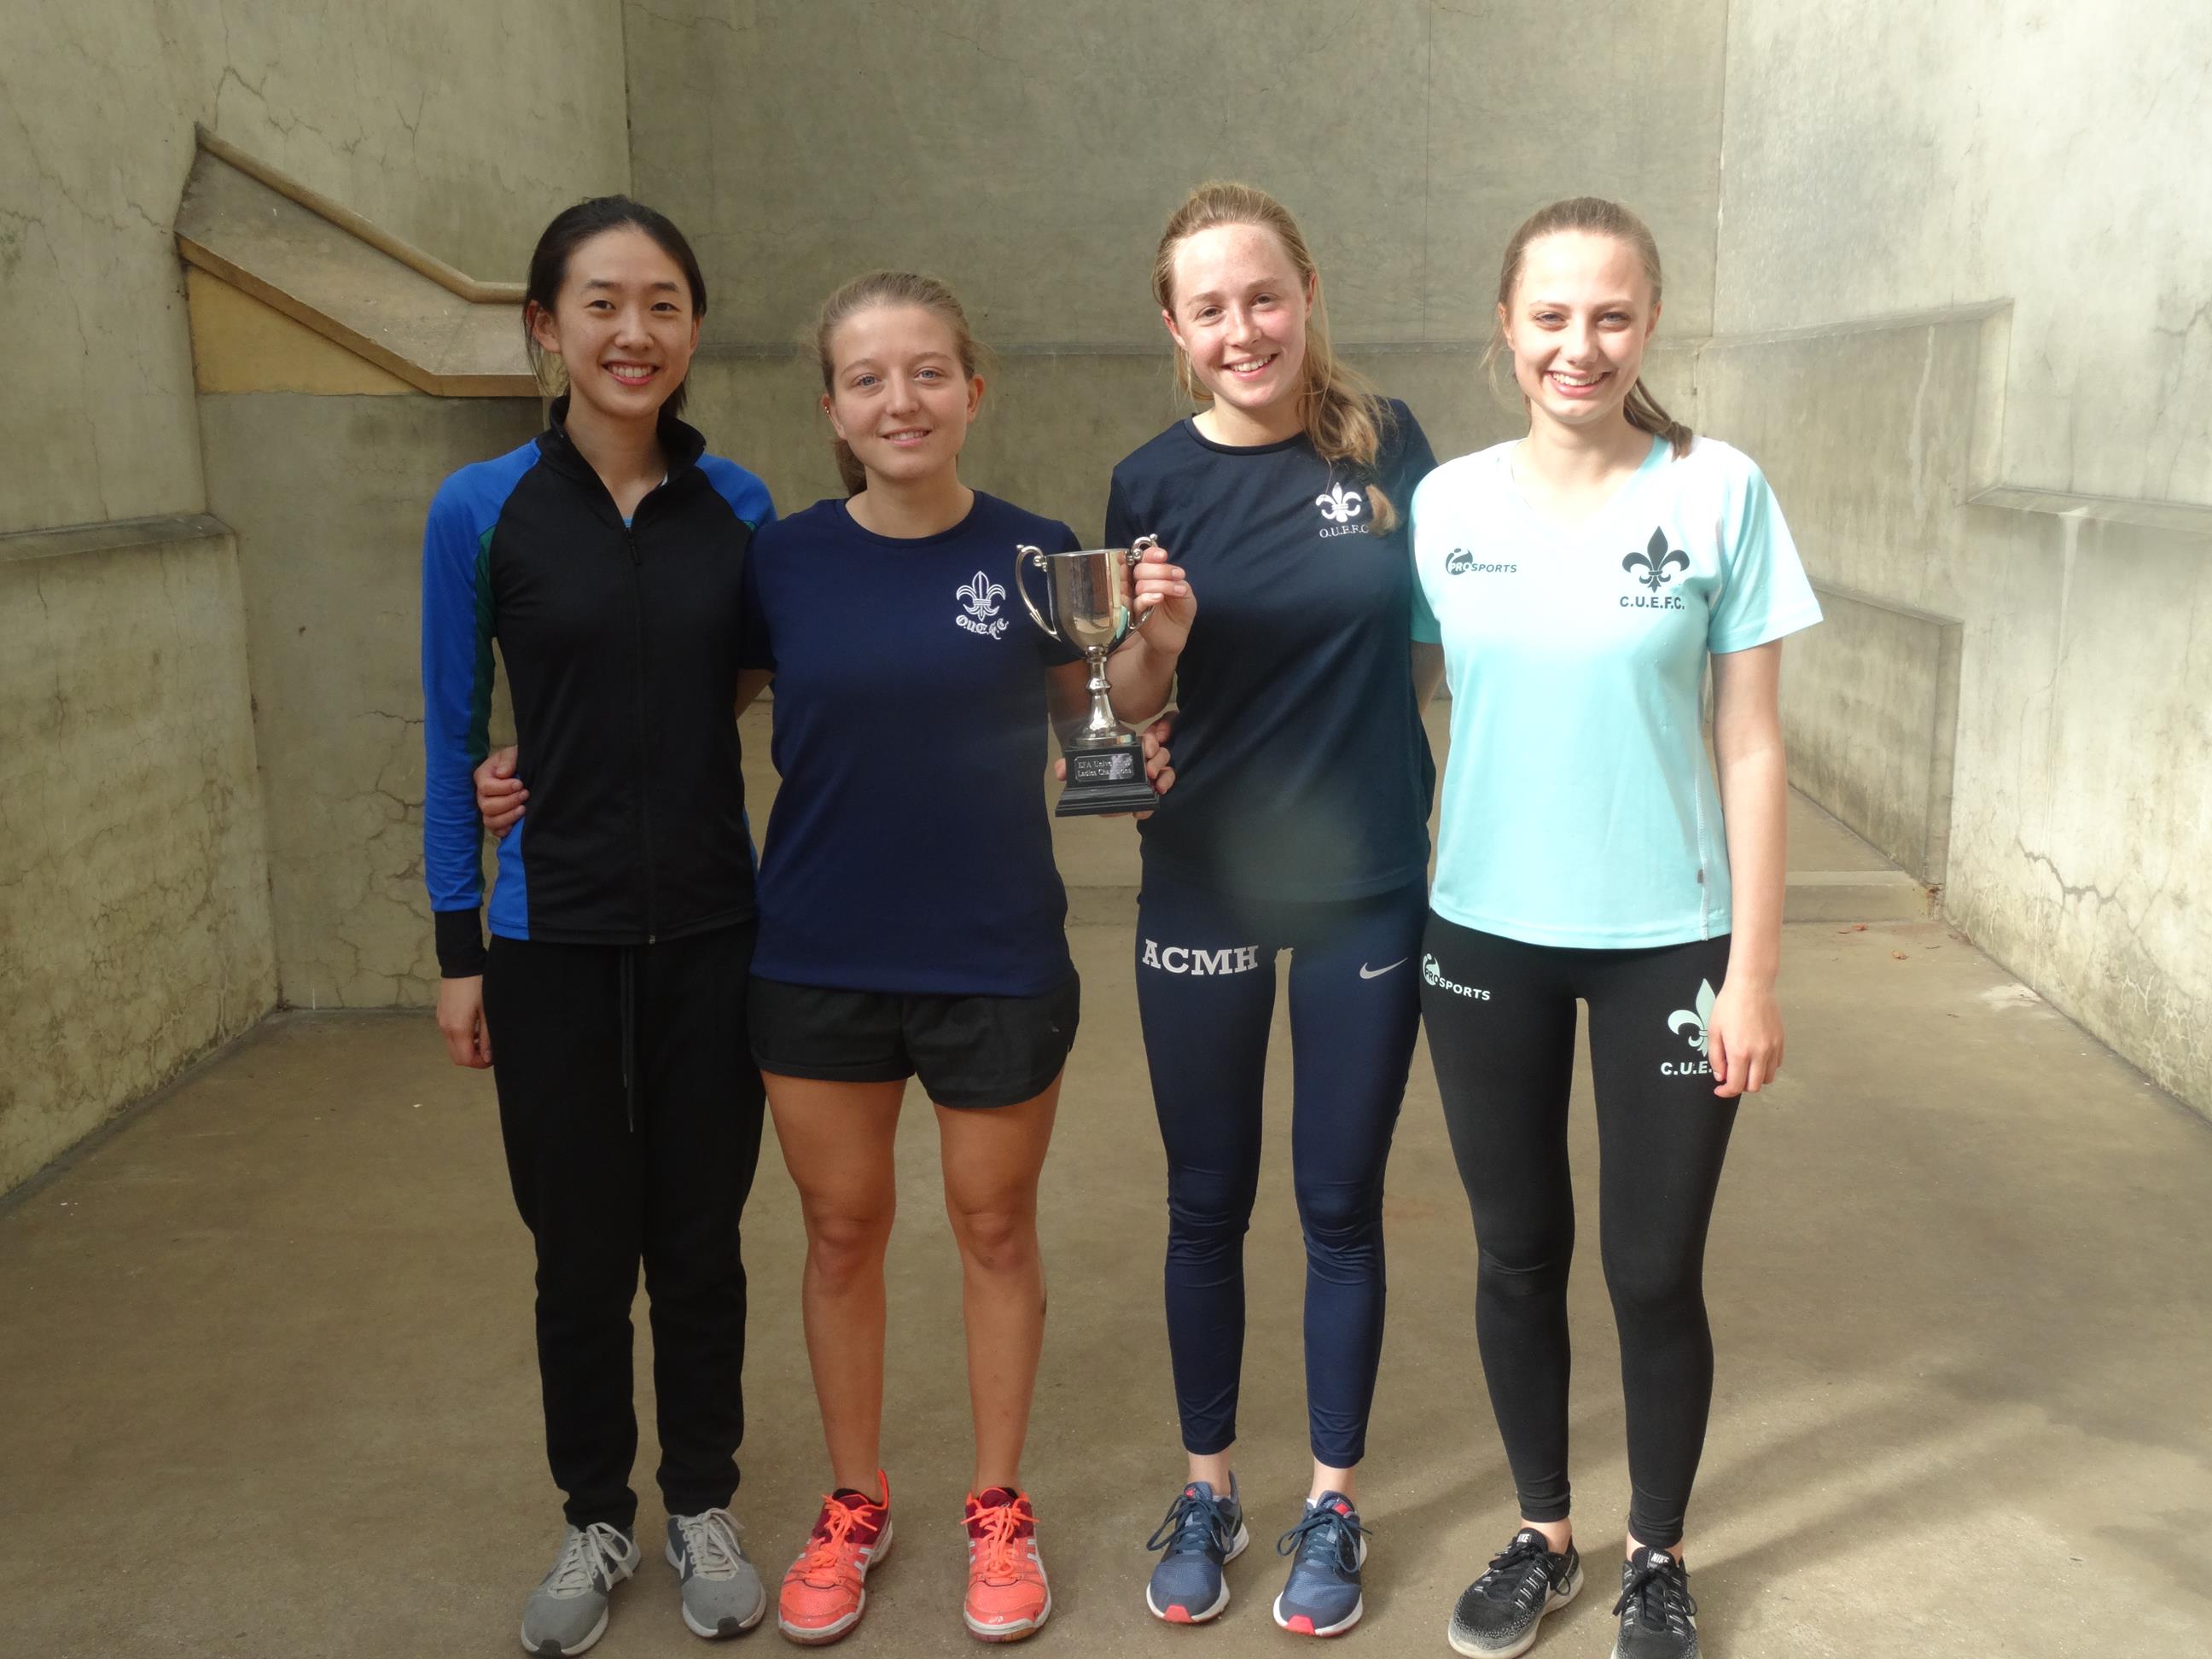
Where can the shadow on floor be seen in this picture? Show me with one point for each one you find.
(268, 1387)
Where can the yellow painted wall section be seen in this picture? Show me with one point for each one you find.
(240, 345)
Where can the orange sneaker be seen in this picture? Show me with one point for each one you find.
(826, 1590)
(1007, 1595)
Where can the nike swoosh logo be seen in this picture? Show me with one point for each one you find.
(1366, 972)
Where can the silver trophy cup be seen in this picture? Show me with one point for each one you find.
(1087, 606)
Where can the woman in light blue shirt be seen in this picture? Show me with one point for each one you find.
(1581, 579)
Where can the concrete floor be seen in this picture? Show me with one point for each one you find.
(269, 1386)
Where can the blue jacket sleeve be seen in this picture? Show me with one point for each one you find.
(457, 625)
(747, 495)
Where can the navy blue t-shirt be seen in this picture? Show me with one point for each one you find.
(910, 849)
(1301, 771)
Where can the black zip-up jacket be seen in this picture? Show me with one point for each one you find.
(621, 646)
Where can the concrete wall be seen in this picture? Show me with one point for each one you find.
(1030, 153)
(1879, 158)
(459, 128)
(332, 576)
(1872, 723)
(1878, 164)
(134, 909)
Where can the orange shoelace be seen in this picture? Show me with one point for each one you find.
(828, 1552)
(1000, 1557)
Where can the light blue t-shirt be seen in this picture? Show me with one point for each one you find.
(1580, 807)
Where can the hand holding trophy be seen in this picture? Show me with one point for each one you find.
(1087, 605)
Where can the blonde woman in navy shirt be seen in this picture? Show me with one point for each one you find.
(1303, 829)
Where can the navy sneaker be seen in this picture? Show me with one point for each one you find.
(1202, 1533)
(1329, 1548)
(1497, 1615)
(1658, 1619)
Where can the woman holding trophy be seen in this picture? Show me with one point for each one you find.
(1305, 831)
(910, 699)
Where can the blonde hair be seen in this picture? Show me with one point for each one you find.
(885, 287)
(1344, 415)
(1599, 217)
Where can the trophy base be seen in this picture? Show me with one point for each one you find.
(1106, 780)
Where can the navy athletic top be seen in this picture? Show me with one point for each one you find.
(1301, 771)
(621, 646)
(910, 849)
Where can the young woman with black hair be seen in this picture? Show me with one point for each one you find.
(606, 557)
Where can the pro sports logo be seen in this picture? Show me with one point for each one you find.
(1433, 974)
(1462, 562)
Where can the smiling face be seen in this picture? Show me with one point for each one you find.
(1237, 307)
(1578, 324)
(622, 325)
(899, 395)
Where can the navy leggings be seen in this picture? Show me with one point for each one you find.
(1501, 1019)
(1205, 993)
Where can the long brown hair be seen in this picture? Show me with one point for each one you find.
(1599, 217)
(885, 287)
(1344, 415)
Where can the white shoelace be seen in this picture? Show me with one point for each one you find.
(710, 1538)
(591, 1560)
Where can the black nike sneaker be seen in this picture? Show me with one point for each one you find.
(1497, 1615)
(1658, 1619)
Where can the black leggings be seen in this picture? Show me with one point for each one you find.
(631, 1110)
(1501, 1025)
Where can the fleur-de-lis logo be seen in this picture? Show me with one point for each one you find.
(978, 596)
(1340, 506)
(1698, 1021)
(1658, 562)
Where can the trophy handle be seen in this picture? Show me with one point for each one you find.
(1024, 558)
(1137, 550)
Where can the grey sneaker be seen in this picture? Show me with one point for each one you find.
(722, 1593)
(567, 1611)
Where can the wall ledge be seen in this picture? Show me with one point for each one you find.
(1886, 323)
(115, 535)
(2184, 518)
(1993, 318)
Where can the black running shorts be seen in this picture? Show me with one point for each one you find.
(967, 1051)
